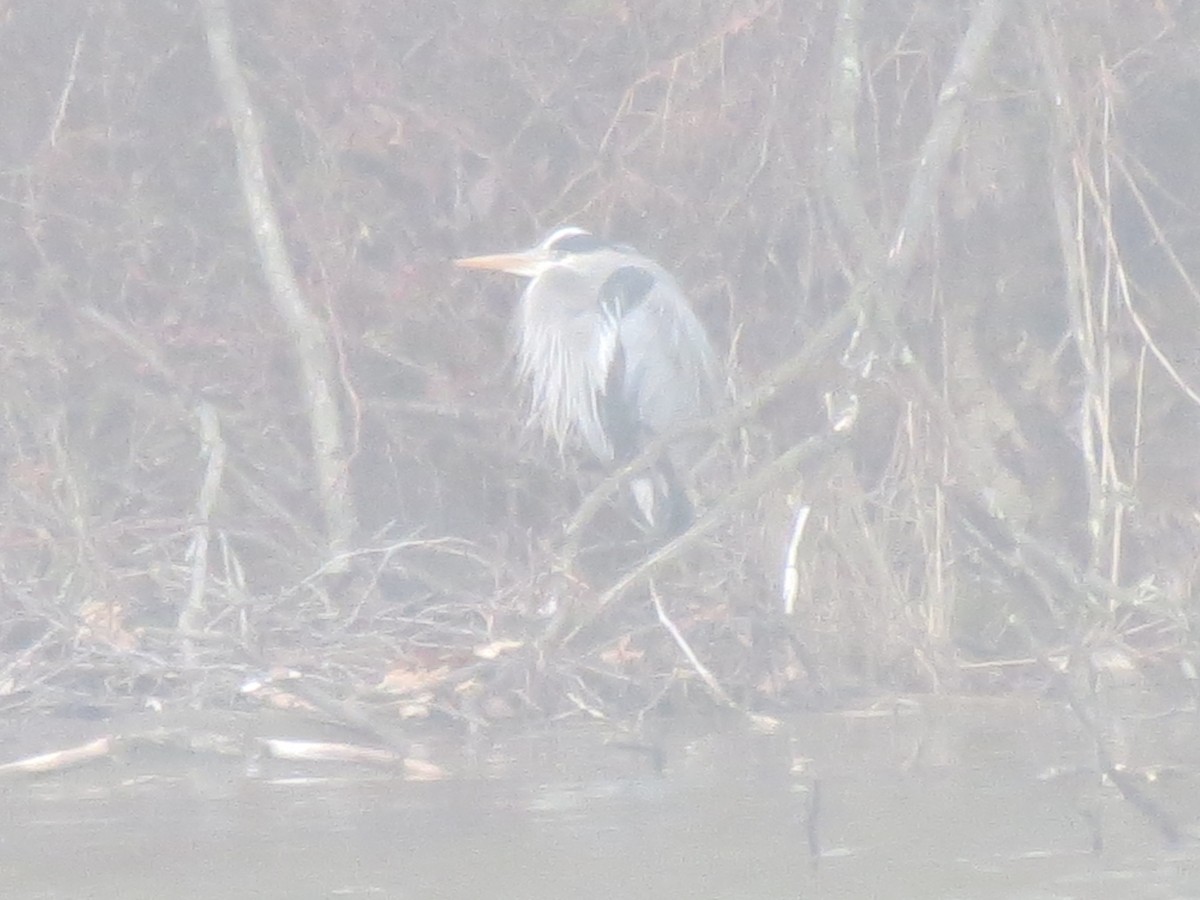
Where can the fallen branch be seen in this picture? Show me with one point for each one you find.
(714, 686)
(58, 760)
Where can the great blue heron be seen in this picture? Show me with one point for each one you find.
(613, 354)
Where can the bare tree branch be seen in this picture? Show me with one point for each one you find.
(318, 372)
(942, 136)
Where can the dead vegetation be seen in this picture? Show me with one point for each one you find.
(970, 226)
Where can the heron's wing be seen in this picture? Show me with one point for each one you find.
(658, 495)
(670, 364)
(616, 402)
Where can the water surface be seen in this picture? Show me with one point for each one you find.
(910, 800)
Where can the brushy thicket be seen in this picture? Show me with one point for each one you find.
(987, 249)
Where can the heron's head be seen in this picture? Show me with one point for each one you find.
(564, 247)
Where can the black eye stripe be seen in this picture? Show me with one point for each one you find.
(577, 243)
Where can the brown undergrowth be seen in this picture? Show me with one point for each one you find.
(949, 254)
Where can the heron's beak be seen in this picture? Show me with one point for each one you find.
(524, 262)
